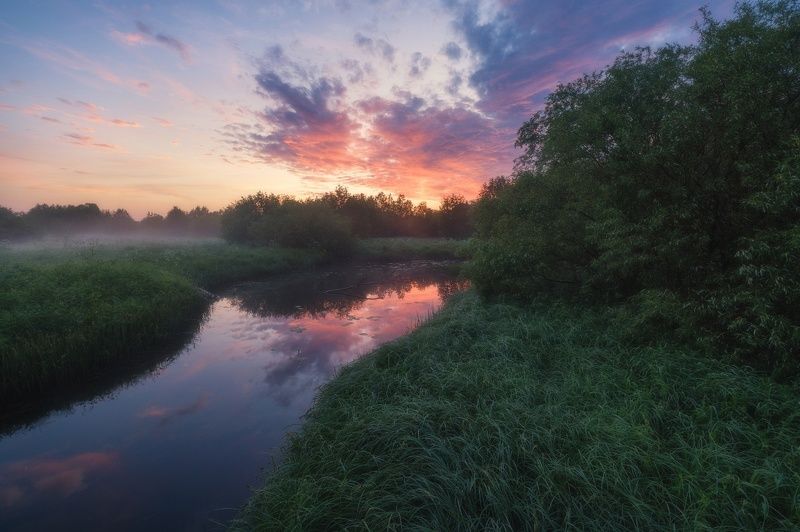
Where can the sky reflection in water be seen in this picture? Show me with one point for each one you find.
(180, 449)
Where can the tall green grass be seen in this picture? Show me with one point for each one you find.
(494, 417)
(60, 321)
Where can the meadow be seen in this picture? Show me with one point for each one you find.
(498, 417)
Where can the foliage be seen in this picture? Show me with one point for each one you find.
(12, 225)
(494, 417)
(284, 221)
(383, 215)
(268, 218)
(674, 172)
(455, 217)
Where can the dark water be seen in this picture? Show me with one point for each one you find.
(182, 445)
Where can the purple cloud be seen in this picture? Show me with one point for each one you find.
(419, 64)
(527, 48)
(375, 46)
(426, 147)
(165, 40)
(453, 51)
(303, 125)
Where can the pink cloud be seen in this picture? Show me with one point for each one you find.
(131, 39)
(88, 141)
(408, 145)
(124, 123)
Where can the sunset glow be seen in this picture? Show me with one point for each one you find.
(146, 106)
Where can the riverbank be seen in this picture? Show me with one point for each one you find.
(185, 439)
(493, 416)
(68, 313)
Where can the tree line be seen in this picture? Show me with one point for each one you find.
(64, 220)
(330, 221)
(668, 185)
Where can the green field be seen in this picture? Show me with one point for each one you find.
(498, 417)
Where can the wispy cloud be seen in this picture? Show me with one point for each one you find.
(146, 35)
(72, 60)
(124, 123)
(419, 64)
(87, 141)
(94, 113)
(525, 49)
(452, 50)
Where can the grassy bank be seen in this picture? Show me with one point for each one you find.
(66, 314)
(495, 417)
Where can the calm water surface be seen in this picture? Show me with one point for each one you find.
(181, 446)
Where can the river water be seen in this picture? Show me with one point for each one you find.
(180, 444)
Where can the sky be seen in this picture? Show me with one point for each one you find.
(148, 105)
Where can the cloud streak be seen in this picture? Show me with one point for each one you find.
(87, 141)
(145, 34)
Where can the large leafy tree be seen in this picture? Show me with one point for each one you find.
(662, 173)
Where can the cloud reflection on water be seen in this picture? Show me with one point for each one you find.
(311, 325)
(51, 476)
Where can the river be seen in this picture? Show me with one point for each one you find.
(181, 444)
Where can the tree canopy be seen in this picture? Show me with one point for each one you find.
(671, 177)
